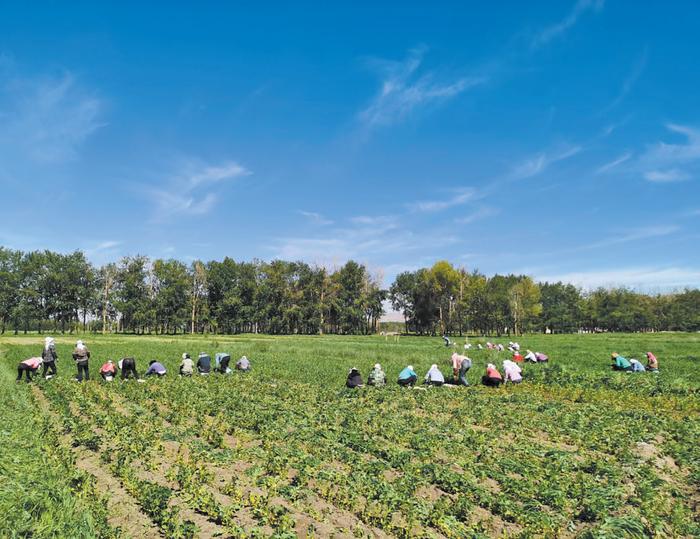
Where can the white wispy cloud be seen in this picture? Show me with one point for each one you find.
(614, 163)
(403, 90)
(185, 192)
(46, 120)
(664, 162)
(642, 233)
(481, 213)
(559, 28)
(666, 176)
(629, 82)
(316, 218)
(461, 197)
(364, 238)
(634, 277)
(540, 162)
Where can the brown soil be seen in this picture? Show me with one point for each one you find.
(124, 512)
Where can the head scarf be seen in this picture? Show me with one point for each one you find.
(185, 355)
(410, 367)
(490, 366)
(79, 345)
(49, 343)
(377, 366)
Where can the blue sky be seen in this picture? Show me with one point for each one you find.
(557, 139)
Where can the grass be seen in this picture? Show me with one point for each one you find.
(286, 450)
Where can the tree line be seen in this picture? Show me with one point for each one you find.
(49, 291)
(451, 301)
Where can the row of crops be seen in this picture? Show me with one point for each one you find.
(280, 453)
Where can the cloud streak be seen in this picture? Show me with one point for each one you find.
(635, 277)
(461, 197)
(560, 28)
(403, 90)
(186, 192)
(46, 120)
(540, 162)
(607, 167)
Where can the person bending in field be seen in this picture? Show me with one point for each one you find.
(108, 371)
(156, 368)
(464, 367)
(530, 356)
(222, 361)
(407, 377)
(354, 379)
(128, 367)
(28, 367)
(81, 355)
(187, 365)
(434, 377)
(620, 363)
(512, 372)
(376, 376)
(652, 362)
(447, 340)
(492, 378)
(456, 364)
(541, 358)
(49, 356)
(636, 366)
(518, 357)
(203, 364)
(243, 364)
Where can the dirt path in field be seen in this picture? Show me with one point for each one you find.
(124, 512)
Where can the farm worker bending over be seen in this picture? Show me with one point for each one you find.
(518, 357)
(81, 355)
(513, 346)
(49, 355)
(457, 364)
(222, 360)
(530, 356)
(492, 377)
(243, 364)
(354, 379)
(652, 362)
(512, 371)
(128, 367)
(447, 341)
(154, 367)
(376, 376)
(434, 377)
(407, 377)
(620, 363)
(203, 363)
(187, 365)
(541, 357)
(28, 367)
(636, 366)
(108, 371)
(500, 347)
(463, 368)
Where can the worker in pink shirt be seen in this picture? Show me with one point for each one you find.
(492, 377)
(28, 367)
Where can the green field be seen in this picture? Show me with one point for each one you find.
(285, 450)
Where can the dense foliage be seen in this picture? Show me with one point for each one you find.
(47, 290)
(576, 450)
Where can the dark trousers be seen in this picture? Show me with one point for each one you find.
(49, 366)
(410, 381)
(129, 369)
(491, 382)
(25, 369)
(83, 371)
(616, 368)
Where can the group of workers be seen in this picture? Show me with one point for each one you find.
(109, 370)
(512, 373)
(621, 363)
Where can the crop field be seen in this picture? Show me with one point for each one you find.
(285, 450)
